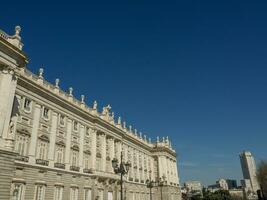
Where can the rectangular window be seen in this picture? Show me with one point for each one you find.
(21, 146)
(62, 120)
(87, 194)
(42, 150)
(60, 154)
(73, 193)
(40, 192)
(58, 193)
(17, 191)
(45, 113)
(27, 105)
(75, 126)
(74, 160)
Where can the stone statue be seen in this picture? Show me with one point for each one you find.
(124, 125)
(41, 71)
(82, 98)
(157, 139)
(57, 82)
(119, 121)
(95, 105)
(70, 91)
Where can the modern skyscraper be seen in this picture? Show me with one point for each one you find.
(249, 169)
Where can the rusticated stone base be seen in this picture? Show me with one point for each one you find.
(7, 172)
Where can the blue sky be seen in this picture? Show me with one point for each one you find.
(193, 70)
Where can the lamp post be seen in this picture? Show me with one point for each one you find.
(150, 184)
(161, 182)
(122, 169)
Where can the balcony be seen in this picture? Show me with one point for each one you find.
(130, 179)
(88, 171)
(42, 162)
(142, 181)
(59, 165)
(74, 168)
(136, 180)
(22, 158)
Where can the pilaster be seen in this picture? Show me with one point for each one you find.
(82, 133)
(103, 152)
(93, 148)
(68, 142)
(53, 135)
(34, 135)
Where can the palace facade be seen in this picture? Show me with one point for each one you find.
(55, 147)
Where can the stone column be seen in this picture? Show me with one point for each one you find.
(34, 134)
(82, 133)
(103, 152)
(152, 168)
(176, 172)
(93, 148)
(138, 175)
(68, 143)
(119, 150)
(53, 135)
(111, 153)
(8, 82)
(161, 169)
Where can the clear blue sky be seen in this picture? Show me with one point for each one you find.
(193, 70)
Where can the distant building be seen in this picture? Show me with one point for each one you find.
(193, 185)
(222, 184)
(193, 188)
(249, 170)
(232, 184)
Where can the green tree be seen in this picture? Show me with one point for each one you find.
(262, 176)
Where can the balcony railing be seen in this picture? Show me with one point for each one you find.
(130, 179)
(74, 168)
(22, 158)
(136, 180)
(88, 171)
(42, 162)
(59, 165)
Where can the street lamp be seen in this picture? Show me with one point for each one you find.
(122, 169)
(150, 184)
(161, 182)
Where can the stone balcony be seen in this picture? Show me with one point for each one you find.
(59, 165)
(74, 168)
(88, 171)
(42, 162)
(22, 158)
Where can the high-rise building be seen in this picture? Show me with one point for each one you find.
(249, 169)
(54, 146)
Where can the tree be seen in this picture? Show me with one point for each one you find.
(262, 177)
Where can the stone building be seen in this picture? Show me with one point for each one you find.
(55, 147)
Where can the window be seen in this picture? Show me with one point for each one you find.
(58, 193)
(39, 192)
(45, 113)
(73, 193)
(75, 126)
(42, 150)
(74, 158)
(17, 191)
(62, 120)
(21, 145)
(27, 105)
(86, 160)
(60, 154)
(87, 194)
